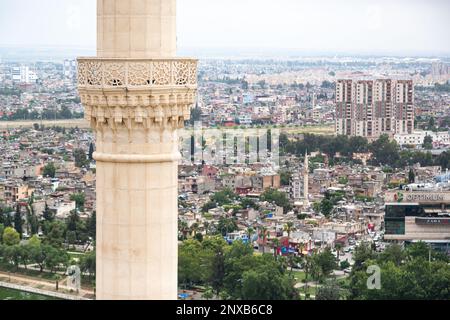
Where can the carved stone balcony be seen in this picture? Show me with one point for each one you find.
(141, 91)
(107, 73)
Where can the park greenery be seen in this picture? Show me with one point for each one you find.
(414, 273)
(384, 151)
(234, 272)
(47, 114)
(48, 241)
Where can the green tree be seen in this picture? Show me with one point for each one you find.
(385, 152)
(11, 237)
(38, 255)
(289, 227)
(223, 197)
(226, 225)
(48, 215)
(262, 235)
(358, 145)
(25, 255)
(393, 253)
(88, 263)
(2, 229)
(92, 225)
(32, 219)
(80, 158)
(34, 241)
(65, 113)
(266, 284)
(248, 203)
(338, 246)
(218, 269)
(285, 178)
(189, 264)
(265, 280)
(362, 253)
(278, 198)
(431, 124)
(330, 290)
(183, 229)
(55, 258)
(49, 170)
(208, 206)
(344, 264)
(415, 279)
(18, 221)
(76, 228)
(317, 207)
(428, 143)
(71, 237)
(326, 206)
(411, 176)
(208, 294)
(323, 264)
(91, 151)
(196, 115)
(54, 233)
(79, 199)
(12, 255)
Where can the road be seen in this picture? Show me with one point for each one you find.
(83, 124)
(41, 284)
(80, 123)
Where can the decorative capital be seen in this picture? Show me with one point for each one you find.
(135, 92)
(108, 73)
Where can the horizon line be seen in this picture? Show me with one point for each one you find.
(261, 50)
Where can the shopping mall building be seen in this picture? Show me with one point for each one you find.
(418, 215)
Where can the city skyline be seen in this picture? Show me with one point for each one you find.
(149, 164)
(253, 26)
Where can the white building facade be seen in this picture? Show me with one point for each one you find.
(440, 139)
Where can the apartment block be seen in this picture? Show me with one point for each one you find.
(370, 108)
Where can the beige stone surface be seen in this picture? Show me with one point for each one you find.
(136, 95)
(136, 28)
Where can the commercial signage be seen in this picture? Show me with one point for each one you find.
(424, 197)
(433, 221)
(419, 197)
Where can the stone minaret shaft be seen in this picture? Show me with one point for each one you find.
(136, 95)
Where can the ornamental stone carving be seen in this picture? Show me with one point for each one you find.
(136, 73)
(137, 105)
(132, 92)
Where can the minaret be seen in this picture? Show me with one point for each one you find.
(136, 95)
(306, 180)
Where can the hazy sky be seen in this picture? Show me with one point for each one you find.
(359, 26)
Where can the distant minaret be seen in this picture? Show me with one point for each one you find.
(306, 179)
(315, 114)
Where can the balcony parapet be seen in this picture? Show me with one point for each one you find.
(108, 73)
(137, 92)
